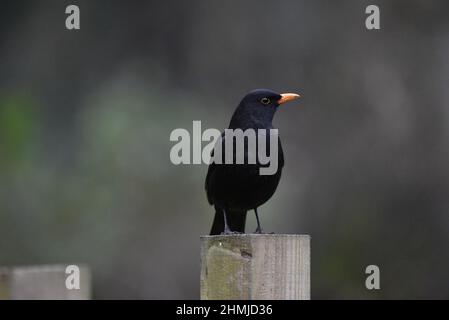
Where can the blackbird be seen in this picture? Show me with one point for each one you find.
(235, 188)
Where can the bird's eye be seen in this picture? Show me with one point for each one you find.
(265, 100)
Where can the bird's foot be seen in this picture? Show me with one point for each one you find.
(229, 232)
(260, 231)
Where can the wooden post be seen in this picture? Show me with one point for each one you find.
(42, 283)
(255, 266)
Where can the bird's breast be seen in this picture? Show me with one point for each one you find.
(242, 187)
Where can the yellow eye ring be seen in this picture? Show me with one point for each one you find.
(265, 101)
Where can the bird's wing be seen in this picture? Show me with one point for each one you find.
(212, 170)
(209, 184)
(281, 155)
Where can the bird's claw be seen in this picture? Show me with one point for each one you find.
(260, 231)
(229, 232)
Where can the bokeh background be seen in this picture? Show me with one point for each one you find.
(85, 120)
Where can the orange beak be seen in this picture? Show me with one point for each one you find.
(288, 97)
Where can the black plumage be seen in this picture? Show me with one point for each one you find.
(234, 189)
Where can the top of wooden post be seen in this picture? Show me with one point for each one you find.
(255, 266)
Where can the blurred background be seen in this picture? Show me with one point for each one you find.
(85, 120)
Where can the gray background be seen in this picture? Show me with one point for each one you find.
(85, 119)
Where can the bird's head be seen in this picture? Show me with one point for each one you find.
(267, 98)
(261, 104)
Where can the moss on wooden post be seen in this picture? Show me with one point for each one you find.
(255, 266)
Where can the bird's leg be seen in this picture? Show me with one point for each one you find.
(259, 229)
(227, 230)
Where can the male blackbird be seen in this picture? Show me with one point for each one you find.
(236, 188)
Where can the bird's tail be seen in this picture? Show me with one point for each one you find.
(236, 221)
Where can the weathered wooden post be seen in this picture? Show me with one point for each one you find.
(43, 283)
(255, 266)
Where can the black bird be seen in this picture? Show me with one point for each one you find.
(236, 188)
